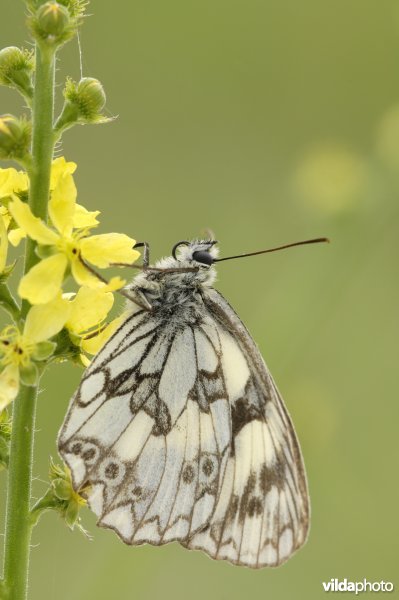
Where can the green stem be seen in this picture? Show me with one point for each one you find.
(42, 147)
(18, 520)
(18, 527)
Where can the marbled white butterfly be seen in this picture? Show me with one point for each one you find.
(179, 428)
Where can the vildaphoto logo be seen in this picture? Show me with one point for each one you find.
(357, 587)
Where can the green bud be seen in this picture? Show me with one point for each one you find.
(84, 102)
(16, 68)
(76, 8)
(54, 23)
(15, 138)
(62, 489)
(90, 97)
(53, 19)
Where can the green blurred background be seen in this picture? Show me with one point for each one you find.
(268, 121)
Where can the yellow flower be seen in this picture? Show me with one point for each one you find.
(19, 351)
(59, 168)
(12, 182)
(69, 243)
(9, 385)
(93, 344)
(86, 322)
(89, 308)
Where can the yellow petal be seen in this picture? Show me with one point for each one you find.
(12, 181)
(59, 168)
(83, 276)
(115, 283)
(89, 308)
(32, 225)
(61, 206)
(102, 250)
(45, 320)
(84, 360)
(44, 280)
(94, 344)
(16, 235)
(9, 385)
(6, 216)
(84, 218)
(3, 244)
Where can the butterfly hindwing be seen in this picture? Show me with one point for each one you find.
(182, 435)
(149, 429)
(262, 514)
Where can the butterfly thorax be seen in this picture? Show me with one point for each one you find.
(176, 290)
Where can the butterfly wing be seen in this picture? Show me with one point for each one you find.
(262, 513)
(149, 430)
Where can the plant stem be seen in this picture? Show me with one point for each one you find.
(18, 521)
(42, 147)
(18, 527)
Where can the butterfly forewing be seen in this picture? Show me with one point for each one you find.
(150, 429)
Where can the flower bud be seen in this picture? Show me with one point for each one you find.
(90, 97)
(16, 68)
(83, 103)
(15, 137)
(52, 24)
(53, 19)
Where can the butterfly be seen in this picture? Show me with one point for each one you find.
(178, 427)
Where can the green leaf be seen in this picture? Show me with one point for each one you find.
(71, 514)
(44, 350)
(6, 272)
(45, 251)
(29, 374)
(4, 453)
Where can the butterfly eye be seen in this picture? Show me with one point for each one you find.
(203, 257)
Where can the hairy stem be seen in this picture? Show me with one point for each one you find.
(18, 526)
(18, 521)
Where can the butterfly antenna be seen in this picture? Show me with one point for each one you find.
(303, 243)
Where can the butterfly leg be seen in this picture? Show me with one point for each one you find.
(137, 297)
(146, 254)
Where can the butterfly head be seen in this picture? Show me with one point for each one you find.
(200, 252)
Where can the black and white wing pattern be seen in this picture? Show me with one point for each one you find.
(262, 511)
(150, 430)
(182, 435)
